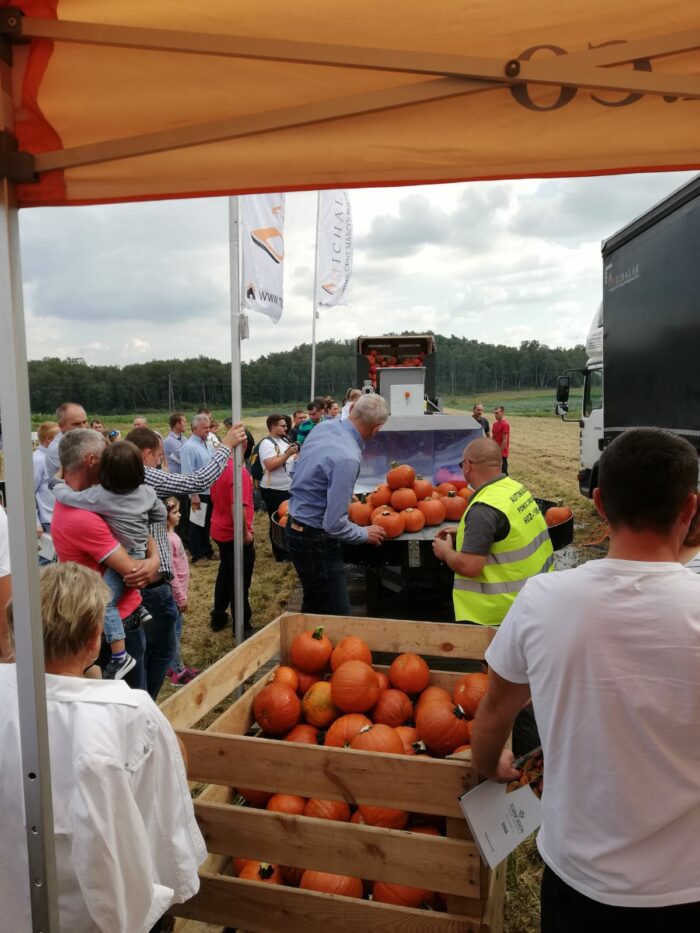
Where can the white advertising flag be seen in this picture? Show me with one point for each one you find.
(262, 239)
(334, 248)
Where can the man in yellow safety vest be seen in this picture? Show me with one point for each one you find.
(501, 541)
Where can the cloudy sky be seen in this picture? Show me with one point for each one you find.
(495, 261)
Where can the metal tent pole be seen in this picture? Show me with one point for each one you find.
(239, 324)
(29, 646)
(313, 303)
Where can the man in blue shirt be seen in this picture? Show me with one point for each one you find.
(196, 453)
(172, 445)
(322, 487)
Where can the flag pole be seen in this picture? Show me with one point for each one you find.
(238, 330)
(315, 312)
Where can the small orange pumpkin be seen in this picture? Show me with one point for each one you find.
(311, 651)
(381, 495)
(378, 738)
(328, 810)
(444, 488)
(409, 672)
(391, 522)
(402, 896)
(470, 691)
(403, 499)
(277, 708)
(557, 514)
(465, 493)
(254, 798)
(326, 883)
(261, 871)
(350, 648)
(443, 728)
(379, 510)
(282, 520)
(455, 506)
(305, 735)
(393, 708)
(354, 687)
(400, 476)
(410, 738)
(413, 519)
(385, 817)
(432, 694)
(344, 730)
(283, 508)
(318, 706)
(286, 803)
(434, 511)
(383, 678)
(423, 488)
(360, 513)
(305, 681)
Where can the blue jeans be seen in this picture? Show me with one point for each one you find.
(136, 646)
(113, 628)
(46, 526)
(176, 660)
(160, 634)
(318, 561)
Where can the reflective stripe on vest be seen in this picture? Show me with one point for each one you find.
(525, 552)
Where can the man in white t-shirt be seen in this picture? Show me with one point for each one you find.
(610, 653)
(275, 452)
(6, 650)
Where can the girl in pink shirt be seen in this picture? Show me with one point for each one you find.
(178, 673)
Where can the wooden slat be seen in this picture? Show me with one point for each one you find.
(458, 829)
(437, 639)
(492, 919)
(436, 863)
(238, 718)
(418, 784)
(254, 906)
(189, 705)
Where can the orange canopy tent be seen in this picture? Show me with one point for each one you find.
(120, 100)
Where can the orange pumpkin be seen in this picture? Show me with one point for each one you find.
(354, 687)
(465, 493)
(454, 506)
(403, 499)
(283, 508)
(291, 876)
(306, 681)
(464, 748)
(401, 476)
(360, 513)
(277, 708)
(381, 495)
(409, 672)
(282, 520)
(286, 675)
(379, 510)
(425, 830)
(327, 883)
(393, 708)
(286, 803)
(254, 798)
(385, 817)
(413, 519)
(434, 511)
(261, 871)
(430, 694)
(311, 651)
(318, 706)
(470, 691)
(378, 738)
(383, 679)
(402, 896)
(239, 862)
(304, 734)
(328, 810)
(443, 728)
(344, 730)
(350, 648)
(410, 738)
(391, 522)
(557, 514)
(423, 488)
(444, 488)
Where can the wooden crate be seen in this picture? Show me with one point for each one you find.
(224, 757)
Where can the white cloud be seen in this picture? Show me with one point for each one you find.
(135, 347)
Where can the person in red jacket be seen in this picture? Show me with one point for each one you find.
(500, 432)
(222, 532)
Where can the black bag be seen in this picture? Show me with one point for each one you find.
(257, 471)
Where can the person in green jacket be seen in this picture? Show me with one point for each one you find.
(316, 410)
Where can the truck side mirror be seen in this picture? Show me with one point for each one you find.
(563, 386)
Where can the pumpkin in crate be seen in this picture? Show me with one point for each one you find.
(469, 691)
(412, 744)
(433, 510)
(311, 651)
(393, 708)
(443, 728)
(327, 883)
(277, 708)
(291, 876)
(304, 734)
(318, 706)
(254, 798)
(350, 648)
(431, 694)
(261, 871)
(305, 681)
(402, 896)
(386, 817)
(286, 803)
(378, 738)
(328, 810)
(286, 675)
(354, 687)
(409, 672)
(392, 523)
(341, 733)
(383, 678)
(454, 506)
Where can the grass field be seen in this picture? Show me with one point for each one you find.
(544, 456)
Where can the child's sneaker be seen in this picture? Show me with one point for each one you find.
(182, 677)
(143, 614)
(118, 667)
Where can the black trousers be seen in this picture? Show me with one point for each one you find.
(504, 465)
(200, 545)
(223, 588)
(273, 498)
(566, 911)
(183, 526)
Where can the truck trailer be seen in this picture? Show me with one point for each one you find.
(644, 341)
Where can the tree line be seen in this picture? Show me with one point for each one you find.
(464, 367)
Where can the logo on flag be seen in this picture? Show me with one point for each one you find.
(334, 248)
(262, 240)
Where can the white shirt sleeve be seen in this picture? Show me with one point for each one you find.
(267, 450)
(4, 545)
(506, 653)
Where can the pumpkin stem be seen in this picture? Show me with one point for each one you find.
(321, 737)
(451, 494)
(394, 464)
(419, 747)
(365, 729)
(266, 870)
(459, 712)
(318, 633)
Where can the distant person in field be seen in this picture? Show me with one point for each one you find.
(195, 454)
(139, 422)
(500, 432)
(351, 396)
(69, 416)
(478, 415)
(172, 446)
(96, 425)
(316, 410)
(42, 494)
(609, 653)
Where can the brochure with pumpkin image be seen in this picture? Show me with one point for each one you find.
(501, 816)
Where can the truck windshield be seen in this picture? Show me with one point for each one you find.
(592, 392)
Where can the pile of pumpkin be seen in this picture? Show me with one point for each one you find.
(378, 360)
(358, 707)
(407, 502)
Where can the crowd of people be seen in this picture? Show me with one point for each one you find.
(598, 664)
